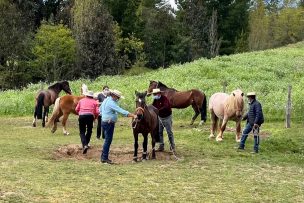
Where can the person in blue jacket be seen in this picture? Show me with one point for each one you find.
(254, 119)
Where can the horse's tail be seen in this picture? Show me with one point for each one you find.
(38, 108)
(55, 114)
(204, 109)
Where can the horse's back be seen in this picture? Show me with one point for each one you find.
(68, 103)
(183, 99)
(217, 103)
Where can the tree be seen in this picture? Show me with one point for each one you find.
(258, 25)
(15, 39)
(93, 28)
(54, 53)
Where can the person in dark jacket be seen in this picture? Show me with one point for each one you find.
(163, 105)
(102, 96)
(255, 119)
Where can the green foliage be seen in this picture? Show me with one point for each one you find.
(267, 72)
(93, 28)
(55, 53)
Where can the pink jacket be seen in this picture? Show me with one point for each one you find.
(87, 106)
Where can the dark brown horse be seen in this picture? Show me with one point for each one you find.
(183, 99)
(46, 98)
(63, 107)
(146, 122)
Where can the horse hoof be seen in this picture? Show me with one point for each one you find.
(135, 159)
(66, 133)
(211, 136)
(219, 139)
(238, 140)
(34, 125)
(145, 159)
(202, 123)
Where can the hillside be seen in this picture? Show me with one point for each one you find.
(267, 72)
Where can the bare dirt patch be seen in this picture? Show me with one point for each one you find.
(118, 154)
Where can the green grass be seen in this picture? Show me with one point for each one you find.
(207, 171)
(267, 72)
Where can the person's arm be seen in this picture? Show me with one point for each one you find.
(96, 110)
(258, 113)
(120, 110)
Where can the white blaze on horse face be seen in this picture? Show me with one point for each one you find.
(139, 100)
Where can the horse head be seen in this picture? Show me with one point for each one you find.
(65, 86)
(140, 103)
(238, 102)
(153, 85)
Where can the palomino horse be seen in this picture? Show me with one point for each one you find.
(46, 98)
(146, 122)
(226, 107)
(181, 100)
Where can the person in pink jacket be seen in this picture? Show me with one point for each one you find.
(87, 109)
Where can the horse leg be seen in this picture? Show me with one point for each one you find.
(47, 109)
(43, 117)
(214, 121)
(135, 146)
(197, 112)
(153, 145)
(145, 146)
(35, 118)
(238, 131)
(222, 129)
(55, 122)
(64, 120)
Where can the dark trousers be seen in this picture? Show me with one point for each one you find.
(100, 130)
(85, 128)
(108, 128)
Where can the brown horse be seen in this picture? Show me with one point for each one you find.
(146, 122)
(63, 107)
(183, 99)
(226, 107)
(46, 98)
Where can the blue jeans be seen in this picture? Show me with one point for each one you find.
(108, 128)
(167, 124)
(246, 131)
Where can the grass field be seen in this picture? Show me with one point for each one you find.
(206, 172)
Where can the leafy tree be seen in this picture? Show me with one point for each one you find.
(93, 28)
(54, 53)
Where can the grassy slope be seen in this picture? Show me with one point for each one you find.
(208, 172)
(266, 72)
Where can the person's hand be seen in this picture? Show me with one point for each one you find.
(256, 125)
(134, 116)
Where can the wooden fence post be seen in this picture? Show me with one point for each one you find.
(225, 84)
(288, 108)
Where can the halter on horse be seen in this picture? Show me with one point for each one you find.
(46, 98)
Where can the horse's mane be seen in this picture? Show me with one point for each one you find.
(160, 84)
(56, 84)
(230, 103)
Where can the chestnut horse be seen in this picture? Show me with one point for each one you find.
(226, 107)
(46, 98)
(146, 122)
(183, 99)
(63, 107)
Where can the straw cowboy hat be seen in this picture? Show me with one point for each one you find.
(155, 91)
(117, 93)
(89, 94)
(251, 94)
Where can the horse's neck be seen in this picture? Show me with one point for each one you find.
(55, 89)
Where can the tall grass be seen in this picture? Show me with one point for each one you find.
(267, 72)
